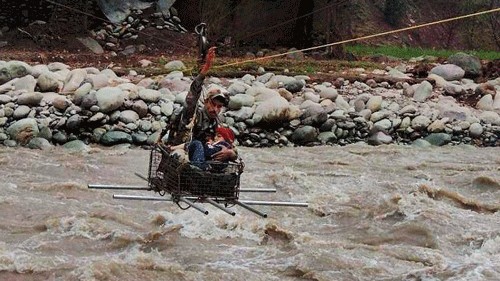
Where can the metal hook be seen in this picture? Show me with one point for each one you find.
(201, 30)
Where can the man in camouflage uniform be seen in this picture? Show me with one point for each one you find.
(199, 121)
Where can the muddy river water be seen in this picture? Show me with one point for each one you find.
(375, 213)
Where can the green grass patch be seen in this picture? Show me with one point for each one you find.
(230, 67)
(306, 66)
(408, 53)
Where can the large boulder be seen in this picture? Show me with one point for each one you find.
(48, 81)
(470, 64)
(277, 110)
(74, 80)
(31, 99)
(240, 100)
(13, 69)
(175, 65)
(115, 137)
(305, 134)
(23, 130)
(261, 94)
(109, 98)
(241, 114)
(449, 72)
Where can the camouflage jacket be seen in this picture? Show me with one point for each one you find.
(182, 124)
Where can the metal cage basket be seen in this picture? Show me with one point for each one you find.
(169, 174)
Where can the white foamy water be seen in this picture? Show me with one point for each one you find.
(375, 213)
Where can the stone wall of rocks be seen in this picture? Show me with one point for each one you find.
(110, 34)
(43, 20)
(46, 105)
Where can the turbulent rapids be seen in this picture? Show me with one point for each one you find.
(374, 213)
(186, 183)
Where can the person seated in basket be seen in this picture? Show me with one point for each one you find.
(200, 152)
(198, 122)
(224, 137)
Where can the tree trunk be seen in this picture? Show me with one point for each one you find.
(328, 27)
(495, 23)
(336, 22)
(304, 25)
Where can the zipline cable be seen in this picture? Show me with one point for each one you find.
(310, 48)
(363, 37)
(291, 20)
(217, 21)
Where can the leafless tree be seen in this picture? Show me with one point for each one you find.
(338, 26)
(304, 24)
(495, 22)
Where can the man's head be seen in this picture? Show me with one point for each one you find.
(215, 101)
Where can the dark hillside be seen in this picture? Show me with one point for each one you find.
(252, 25)
(271, 22)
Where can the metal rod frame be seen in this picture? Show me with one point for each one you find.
(141, 176)
(118, 187)
(219, 206)
(247, 202)
(190, 203)
(264, 215)
(133, 187)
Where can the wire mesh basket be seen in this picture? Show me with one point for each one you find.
(168, 174)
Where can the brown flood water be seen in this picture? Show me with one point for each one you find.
(375, 213)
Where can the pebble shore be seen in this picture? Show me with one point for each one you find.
(42, 106)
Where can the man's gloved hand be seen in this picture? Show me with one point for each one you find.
(225, 154)
(208, 60)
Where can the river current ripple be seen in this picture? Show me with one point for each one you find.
(375, 213)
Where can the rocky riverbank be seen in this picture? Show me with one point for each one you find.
(53, 104)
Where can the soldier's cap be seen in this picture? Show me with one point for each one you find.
(216, 94)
